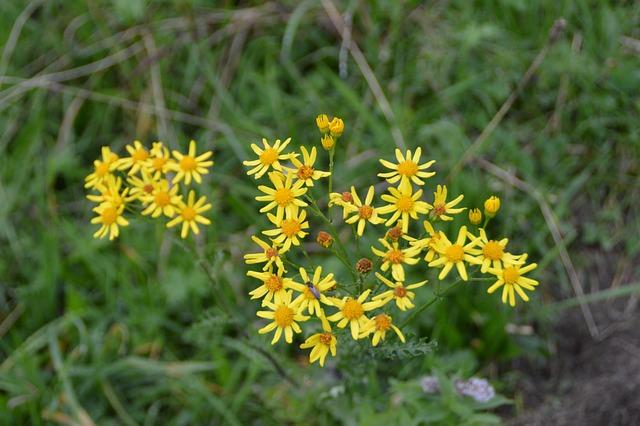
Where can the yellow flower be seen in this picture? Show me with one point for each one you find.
(327, 142)
(513, 281)
(364, 211)
(322, 121)
(109, 190)
(191, 165)
(454, 255)
(274, 286)
(102, 168)
(441, 209)
(399, 292)
(269, 157)
(284, 315)
(408, 168)
(336, 127)
(475, 216)
(491, 251)
(379, 325)
(491, 206)
(322, 344)
(290, 229)
(352, 312)
(110, 218)
(159, 161)
(284, 194)
(137, 159)
(431, 243)
(312, 290)
(189, 214)
(269, 255)
(304, 170)
(404, 203)
(394, 257)
(141, 187)
(162, 200)
(344, 200)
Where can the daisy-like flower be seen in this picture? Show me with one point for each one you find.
(270, 254)
(289, 229)
(269, 157)
(110, 219)
(344, 200)
(137, 159)
(454, 254)
(162, 200)
(109, 190)
(191, 165)
(512, 281)
(285, 316)
(441, 209)
(404, 203)
(304, 170)
(159, 161)
(352, 312)
(189, 214)
(394, 257)
(408, 168)
(379, 325)
(102, 168)
(429, 243)
(322, 344)
(141, 186)
(399, 292)
(274, 286)
(312, 290)
(284, 194)
(493, 252)
(364, 212)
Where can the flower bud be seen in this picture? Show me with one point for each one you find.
(322, 121)
(491, 206)
(324, 239)
(364, 265)
(327, 142)
(336, 127)
(475, 216)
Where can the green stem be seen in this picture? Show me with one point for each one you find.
(437, 296)
(331, 170)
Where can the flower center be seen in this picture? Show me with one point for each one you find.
(346, 197)
(283, 316)
(404, 203)
(188, 163)
(290, 227)
(400, 291)
(162, 199)
(383, 322)
(407, 168)
(365, 212)
(158, 163)
(283, 196)
(148, 188)
(455, 253)
(395, 233)
(395, 256)
(305, 172)
(102, 169)
(510, 275)
(189, 213)
(439, 209)
(325, 338)
(140, 155)
(273, 283)
(269, 156)
(109, 215)
(492, 250)
(271, 252)
(352, 309)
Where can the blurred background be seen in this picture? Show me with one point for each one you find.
(536, 102)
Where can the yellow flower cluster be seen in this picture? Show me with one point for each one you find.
(152, 178)
(293, 294)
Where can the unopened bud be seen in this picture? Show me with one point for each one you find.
(336, 127)
(327, 142)
(322, 121)
(491, 206)
(475, 216)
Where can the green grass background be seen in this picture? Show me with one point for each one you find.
(138, 331)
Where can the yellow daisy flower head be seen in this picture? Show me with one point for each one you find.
(429, 243)
(289, 229)
(189, 214)
(399, 292)
(159, 161)
(352, 312)
(304, 170)
(379, 325)
(269, 255)
(404, 203)
(408, 169)
(268, 157)
(163, 199)
(441, 209)
(274, 286)
(395, 257)
(321, 344)
(141, 187)
(285, 316)
(475, 216)
(191, 165)
(284, 195)
(493, 252)
(344, 200)
(312, 291)
(109, 192)
(512, 281)
(364, 212)
(110, 219)
(102, 168)
(137, 159)
(454, 254)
